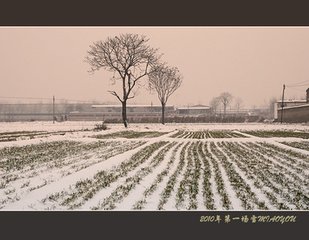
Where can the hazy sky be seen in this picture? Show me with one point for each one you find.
(250, 63)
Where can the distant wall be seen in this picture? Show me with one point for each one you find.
(146, 114)
(295, 114)
(29, 117)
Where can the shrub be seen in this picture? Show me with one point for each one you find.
(100, 126)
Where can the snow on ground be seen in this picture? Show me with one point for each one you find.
(154, 199)
(34, 197)
(84, 125)
(131, 199)
(15, 194)
(260, 195)
(235, 202)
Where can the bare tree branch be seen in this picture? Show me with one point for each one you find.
(115, 94)
(165, 81)
(225, 99)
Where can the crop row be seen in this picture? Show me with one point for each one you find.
(249, 163)
(131, 134)
(13, 136)
(243, 191)
(301, 145)
(293, 165)
(262, 175)
(39, 176)
(109, 150)
(85, 189)
(20, 135)
(16, 158)
(269, 176)
(297, 181)
(221, 189)
(31, 156)
(278, 133)
(207, 134)
(169, 188)
(188, 185)
(207, 173)
(149, 190)
(124, 189)
(282, 175)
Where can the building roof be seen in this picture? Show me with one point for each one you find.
(102, 106)
(194, 108)
(199, 105)
(293, 101)
(298, 106)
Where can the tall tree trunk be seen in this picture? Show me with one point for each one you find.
(163, 112)
(124, 113)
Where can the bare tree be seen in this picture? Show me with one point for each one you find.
(129, 57)
(165, 81)
(238, 103)
(214, 104)
(272, 102)
(225, 99)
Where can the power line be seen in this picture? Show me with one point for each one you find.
(296, 90)
(59, 99)
(302, 82)
(299, 84)
(24, 98)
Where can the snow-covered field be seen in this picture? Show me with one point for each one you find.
(68, 166)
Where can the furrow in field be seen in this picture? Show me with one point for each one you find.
(251, 197)
(106, 192)
(294, 188)
(195, 183)
(150, 195)
(123, 190)
(293, 155)
(241, 188)
(244, 169)
(202, 178)
(30, 180)
(210, 188)
(154, 199)
(186, 188)
(149, 176)
(223, 186)
(283, 162)
(66, 185)
(168, 195)
(264, 179)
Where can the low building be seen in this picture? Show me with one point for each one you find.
(287, 103)
(293, 111)
(193, 110)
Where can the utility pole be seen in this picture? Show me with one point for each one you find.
(53, 109)
(282, 104)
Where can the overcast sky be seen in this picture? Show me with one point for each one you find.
(250, 63)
